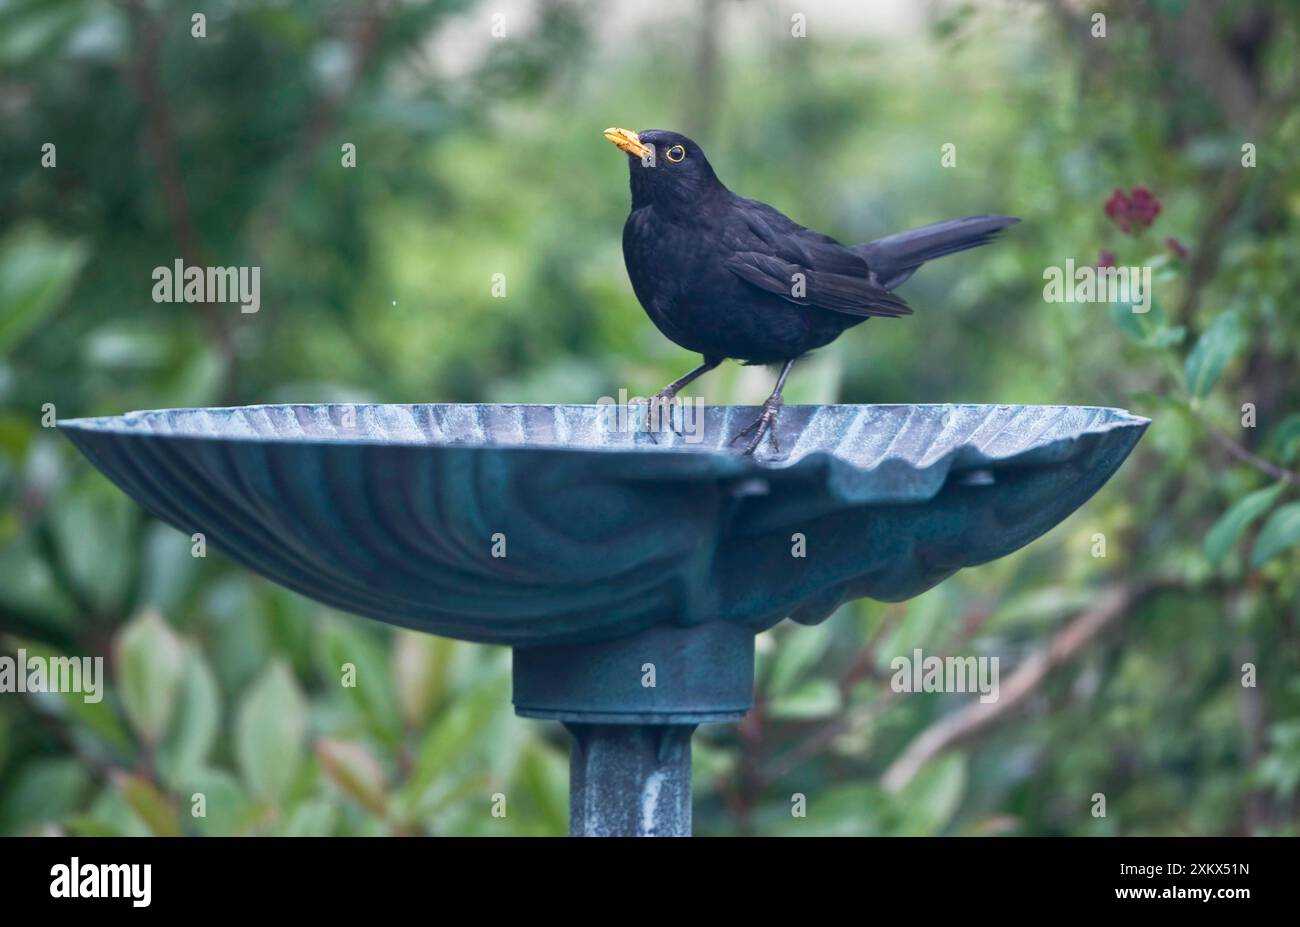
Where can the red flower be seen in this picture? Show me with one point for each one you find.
(1132, 212)
(1117, 209)
(1106, 258)
(1177, 247)
(1143, 207)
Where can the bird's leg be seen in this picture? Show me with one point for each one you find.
(670, 391)
(765, 424)
(665, 396)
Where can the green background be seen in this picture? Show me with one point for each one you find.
(479, 155)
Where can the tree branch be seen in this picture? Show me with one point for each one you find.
(1113, 604)
(323, 119)
(1242, 454)
(160, 138)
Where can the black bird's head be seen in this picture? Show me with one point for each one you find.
(667, 168)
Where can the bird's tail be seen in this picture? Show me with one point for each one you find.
(897, 257)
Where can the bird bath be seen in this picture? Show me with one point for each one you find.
(629, 571)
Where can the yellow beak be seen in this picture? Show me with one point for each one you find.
(629, 141)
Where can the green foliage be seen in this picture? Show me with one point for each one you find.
(150, 660)
(1280, 533)
(228, 696)
(197, 724)
(37, 272)
(269, 733)
(1220, 343)
(1244, 512)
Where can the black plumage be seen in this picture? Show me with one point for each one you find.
(731, 277)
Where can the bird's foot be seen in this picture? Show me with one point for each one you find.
(659, 412)
(764, 425)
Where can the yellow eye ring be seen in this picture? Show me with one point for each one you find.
(676, 153)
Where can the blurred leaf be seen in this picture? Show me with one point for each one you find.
(313, 818)
(269, 733)
(355, 771)
(150, 658)
(796, 652)
(87, 825)
(1230, 526)
(1215, 348)
(544, 774)
(1038, 605)
(193, 732)
(27, 587)
(932, 797)
(1280, 767)
(198, 381)
(111, 810)
(851, 809)
(1285, 438)
(42, 791)
(226, 809)
(1167, 337)
(30, 28)
(145, 799)
(125, 346)
(169, 567)
(455, 731)
(1130, 322)
(816, 698)
(421, 665)
(239, 630)
(342, 642)
(1279, 532)
(94, 526)
(925, 620)
(37, 272)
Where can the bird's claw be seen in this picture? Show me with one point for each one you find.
(764, 425)
(663, 399)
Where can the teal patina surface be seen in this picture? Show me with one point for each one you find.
(403, 512)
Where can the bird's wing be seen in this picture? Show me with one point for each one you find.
(799, 284)
(778, 255)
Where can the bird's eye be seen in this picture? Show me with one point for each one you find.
(676, 153)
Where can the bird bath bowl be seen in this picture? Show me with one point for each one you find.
(629, 571)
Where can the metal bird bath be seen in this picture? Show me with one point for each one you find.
(629, 572)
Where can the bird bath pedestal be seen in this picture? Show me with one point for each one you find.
(629, 572)
(631, 706)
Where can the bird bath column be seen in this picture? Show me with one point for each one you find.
(630, 780)
(631, 706)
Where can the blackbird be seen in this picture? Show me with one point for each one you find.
(731, 277)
